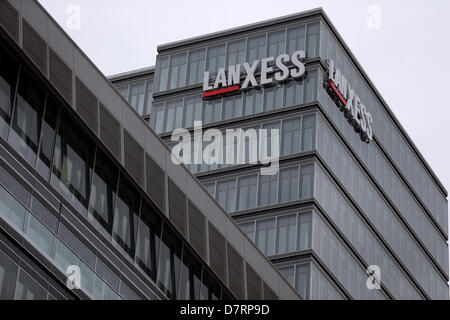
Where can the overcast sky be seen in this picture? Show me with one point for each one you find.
(402, 45)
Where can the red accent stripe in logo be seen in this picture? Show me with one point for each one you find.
(338, 93)
(220, 91)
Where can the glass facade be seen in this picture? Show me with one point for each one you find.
(336, 205)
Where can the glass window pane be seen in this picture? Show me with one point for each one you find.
(8, 78)
(148, 238)
(288, 274)
(216, 59)
(196, 66)
(72, 164)
(190, 277)
(48, 138)
(247, 192)
(312, 39)
(212, 111)
(225, 194)
(276, 43)
(267, 189)
(308, 132)
(174, 116)
(286, 226)
(28, 289)
(149, 99)
(162, 73)
(306, 178)
(193, 111)
(295, 39)
(302, 280)
(293, 93)
(27, 118)
(236, 52)
(177, 70)
(311, 86)
(11, 209)
(265, 236)
(8, 276)
(253, 102)
(169, 263)
(273, 97)
(304, 231)
(256, 48)
(40, 235)
(103, 194)
(158, 117)
(126, 216)
(137, 95)
(232, 107)
(290, 136)
(249, 229)
(288, 184)
(123, 90)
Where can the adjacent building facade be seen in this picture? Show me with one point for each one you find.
(352, 191)
(88, 191)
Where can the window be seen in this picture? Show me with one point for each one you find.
(236, 52)
(174, 115)
(177, 70)
(212, 111)
(288, 184)
(149, 98)
(190, 277)
(249, 229)
(311, 86)
(306, 180)
(169, 263)
(48, 138)
(216, 58)
(125, 216)
(8, 276)
(8, 76)
(308, 132)
(273, 97)
(123, 90)
(267, 189)
(72, 164)
(27, 118)
(276, 43)
(148, 239)
(137, 95)
(253, 102)
(288, 274)
(291, 136)
(295, 39)
(302, 280)
(304, 231)
(312, 39)
(28, 289)
(162, 73)
(225, 194)
(210, 186)
(193, 111)
(265, 236)
(196, 66)
(286, 226)
(103, 194)
(293, 93)
(269, 135)
(256, 48)
(158, 117)
(247, 192)
(232, 107)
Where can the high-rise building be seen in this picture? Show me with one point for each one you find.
(353, 195)
(91, 205)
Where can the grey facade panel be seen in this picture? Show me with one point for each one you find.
(155, 182)
(235, 272)
(254, 284)
(60, 75)
(110, 131)
(217, 250)
(86, 105)
(35, 47)
(9, 18)
(177, 207)
(197, 229)
(134, 157)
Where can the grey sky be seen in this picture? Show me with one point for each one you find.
(407, 58)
